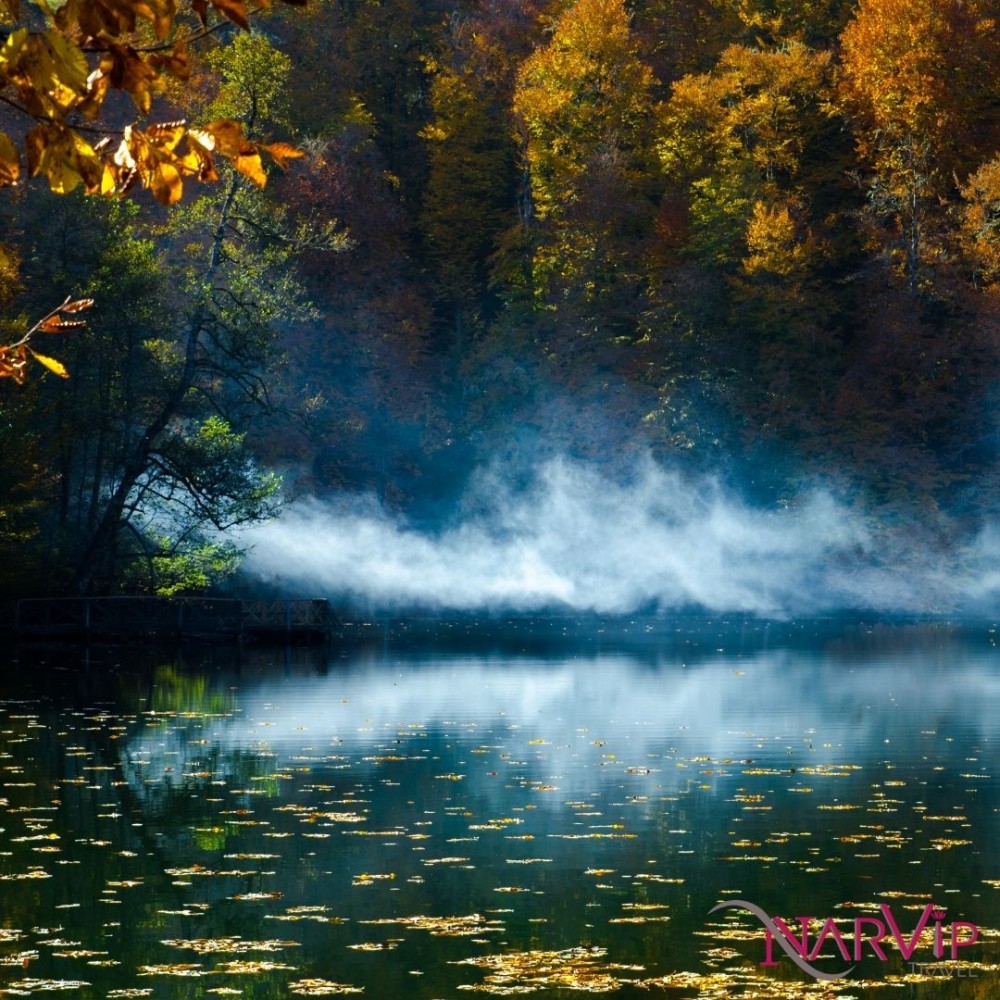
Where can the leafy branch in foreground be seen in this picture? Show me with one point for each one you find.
(58, 69)
(14, 357)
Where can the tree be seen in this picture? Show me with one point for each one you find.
(585, 110)
(468, 196)
(739, 135)
(177, 473)
(979, 224)
(57, 71)
(755, 222)
(918, 84)
(582, 96)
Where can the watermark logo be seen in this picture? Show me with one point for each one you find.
(870, 931)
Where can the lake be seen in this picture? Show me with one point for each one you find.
(438, 809)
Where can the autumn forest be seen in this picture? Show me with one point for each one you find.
(367, 246)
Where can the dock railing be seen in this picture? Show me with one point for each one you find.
(173, 616)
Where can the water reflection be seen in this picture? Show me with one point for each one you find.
(416, 820)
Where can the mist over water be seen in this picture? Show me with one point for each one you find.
(576, 540)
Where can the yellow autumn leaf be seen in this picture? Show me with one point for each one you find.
(69, 63)
(11, 48)
(282, 152)
(165, 183)
(234, 10)
(76, 306)
(56, 324)
(250, 166)
(10, 161)
(63, 177)
(166, 135)
(54, 366)
(227, 136)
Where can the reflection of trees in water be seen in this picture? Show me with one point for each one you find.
(188, 693)
(147, 772)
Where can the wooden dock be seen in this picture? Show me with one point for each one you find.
(170, 617)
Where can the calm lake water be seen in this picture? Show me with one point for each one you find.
(433, 811)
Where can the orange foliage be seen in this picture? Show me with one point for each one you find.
(63, 72)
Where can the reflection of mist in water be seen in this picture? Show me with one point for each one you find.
(576, 539)
(781, 708)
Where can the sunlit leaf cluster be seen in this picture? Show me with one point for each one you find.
(58, 69)
(14, 357)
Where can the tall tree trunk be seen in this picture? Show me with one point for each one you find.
(98, 556)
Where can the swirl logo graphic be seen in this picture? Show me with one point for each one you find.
(776, 934)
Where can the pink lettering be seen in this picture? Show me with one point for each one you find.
(906, 948)
(830, 929)
(956, 942)
(802, 947)
(768, 950)
(860, 939)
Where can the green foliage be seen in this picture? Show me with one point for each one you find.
(167, 570)
(253, 87)
(203, 475)
(468, 197)
(149, 452)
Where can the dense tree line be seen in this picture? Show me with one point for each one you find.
(746, 234)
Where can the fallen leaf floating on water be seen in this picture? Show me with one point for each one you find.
(172, 970)
(198, 870)
(228, 945)
(249, 967)
(38, 985)
(472, 925)
(594, 836)
(527, 971)
(22, 958)
(729, 986)
(321, 988)
(639, 920)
